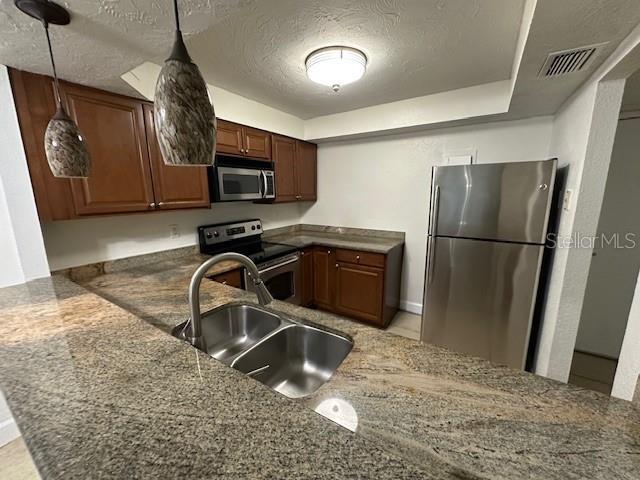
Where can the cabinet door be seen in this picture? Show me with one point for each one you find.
(359, 292)
(306, 170)
(233, 278)
(120, 178)
(323, 283)
(257, 143)
(229, 138)
(306, 257)
(35, 105)
(174, 187)
(284, 158)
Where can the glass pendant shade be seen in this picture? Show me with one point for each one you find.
(65, 147)
(184, 116)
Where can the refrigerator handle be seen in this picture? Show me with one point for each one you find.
(435, 208)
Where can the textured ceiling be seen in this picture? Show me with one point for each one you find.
(257, 48)
(414, 47)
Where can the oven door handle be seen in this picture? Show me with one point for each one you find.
(279, 265)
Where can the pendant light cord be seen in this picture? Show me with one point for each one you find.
(56, 86)
(175, 12)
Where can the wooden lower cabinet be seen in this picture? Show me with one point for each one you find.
(359, 291)
(361, 285)
(233, 278)
(306, 271)
(323, 260)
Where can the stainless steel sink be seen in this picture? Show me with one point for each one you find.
(232, 329)
(292, 359)
(296, 360)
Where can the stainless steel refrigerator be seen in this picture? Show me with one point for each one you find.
(487, 233)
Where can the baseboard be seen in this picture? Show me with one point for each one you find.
(8, 431)
(411, 307)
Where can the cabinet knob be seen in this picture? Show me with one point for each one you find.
(160, 204)
(328, 252)
(337, 265)
(357, 257)
(224, 282)
(152, 205)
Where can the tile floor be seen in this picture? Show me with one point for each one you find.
(16, 463)
(405, 324)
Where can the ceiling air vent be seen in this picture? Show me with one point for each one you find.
(568, 61)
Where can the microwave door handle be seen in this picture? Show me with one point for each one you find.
(264, 180)
(261, 184)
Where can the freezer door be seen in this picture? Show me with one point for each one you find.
(479, 297)
(499, 201)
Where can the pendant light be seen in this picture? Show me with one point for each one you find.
(184, 116)
(64, 145)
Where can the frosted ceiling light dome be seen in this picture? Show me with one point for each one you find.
(336, 66)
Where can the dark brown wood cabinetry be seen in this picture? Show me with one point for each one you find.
(295, 164)
(323, 278)
(233, 278)
(127, 171)
(306, 271)
(113, 126)
(361, 285)
(235, 139)
(174, 187)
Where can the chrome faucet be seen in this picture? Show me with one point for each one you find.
(264, 297)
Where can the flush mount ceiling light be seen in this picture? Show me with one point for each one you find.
(64, 145)
(184, 116)
(336, 66)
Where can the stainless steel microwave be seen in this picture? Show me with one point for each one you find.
(235, 183)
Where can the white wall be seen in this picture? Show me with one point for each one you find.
(628, 371)
(613, 271)
(583, 134)
(79, 242)
(384, 182)
(23, 256)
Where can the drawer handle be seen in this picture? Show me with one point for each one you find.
(152, 205)
(224, 282)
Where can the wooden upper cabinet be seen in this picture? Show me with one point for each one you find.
(306, 170)
(257, 143)
(35, 105)
(359, 292)
(229, 138)
(295, 164)
(235, 139)
(174, 186)
(120, 177)
(284, 161)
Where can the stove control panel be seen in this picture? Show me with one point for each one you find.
(227, 232)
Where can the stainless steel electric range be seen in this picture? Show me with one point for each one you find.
(278, 264)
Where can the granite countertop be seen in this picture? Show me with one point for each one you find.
(95, 388)
(305, 235)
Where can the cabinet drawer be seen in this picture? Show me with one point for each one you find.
(232, 278)
(360, 258)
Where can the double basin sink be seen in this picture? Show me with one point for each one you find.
(292, 359)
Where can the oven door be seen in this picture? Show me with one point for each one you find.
(281, 277)
(239, 184)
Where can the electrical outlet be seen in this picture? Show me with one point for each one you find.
(173, 231)
(566, 200)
